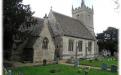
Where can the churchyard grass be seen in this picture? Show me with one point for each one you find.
(58, 69)
(97, 63)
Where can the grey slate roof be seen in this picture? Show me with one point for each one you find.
(72, 27)
(36, 30)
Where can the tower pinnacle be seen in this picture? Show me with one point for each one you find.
(51, 8)
(72, 7)
(92, 8)
(83, 4)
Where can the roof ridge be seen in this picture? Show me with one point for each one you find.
(87, 29)
(65, 15)
(58, 22)
(70, 17)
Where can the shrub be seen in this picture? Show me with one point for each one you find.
(52, 71)
(90, 61)
(55, 70)
(96, 59)
(79, 70)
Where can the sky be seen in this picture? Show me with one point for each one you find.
(105, 14)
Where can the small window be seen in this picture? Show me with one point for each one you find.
(80, 45)
(70, 46)
(45, 43)
(89, 46)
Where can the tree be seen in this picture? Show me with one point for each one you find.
(14, 14)
(108, 40)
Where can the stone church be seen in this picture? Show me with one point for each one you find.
(59, 36)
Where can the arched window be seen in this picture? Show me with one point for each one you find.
(45, 43)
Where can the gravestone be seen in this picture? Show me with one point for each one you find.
(113, 68)
(76, 63)
(104, 66)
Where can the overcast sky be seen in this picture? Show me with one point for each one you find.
(105, 14)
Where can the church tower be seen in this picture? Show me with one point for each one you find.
(85, 15)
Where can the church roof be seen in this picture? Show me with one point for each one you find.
(72, 27)
(36, 30)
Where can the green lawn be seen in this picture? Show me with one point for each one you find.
(99, 62)
(60, 70)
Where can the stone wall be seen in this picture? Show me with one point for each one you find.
(39, 52)
(68, 54)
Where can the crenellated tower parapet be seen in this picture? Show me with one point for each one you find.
(79, 9)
